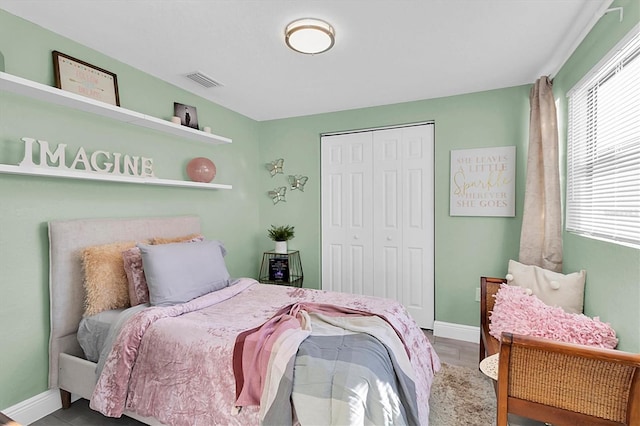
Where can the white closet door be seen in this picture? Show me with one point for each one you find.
(387, 214)
(418, 255)
(346, 213)
(378, 218)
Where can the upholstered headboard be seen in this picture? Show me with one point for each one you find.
(66, 241)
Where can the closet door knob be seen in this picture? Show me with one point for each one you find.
(355, 237)
(388, 238)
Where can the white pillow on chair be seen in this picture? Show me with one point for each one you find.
(553, 288)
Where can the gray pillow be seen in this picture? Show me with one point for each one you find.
(177, 273)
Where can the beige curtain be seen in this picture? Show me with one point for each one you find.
(541, 235)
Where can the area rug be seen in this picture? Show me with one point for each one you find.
(461, 396)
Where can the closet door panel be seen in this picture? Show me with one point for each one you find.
(335, 217)
(387, 284)
(418, 224)
(387, 213)
(346, 211)
(356, 270)
(332, 267)
(414, 281)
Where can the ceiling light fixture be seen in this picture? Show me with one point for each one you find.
(309, 36)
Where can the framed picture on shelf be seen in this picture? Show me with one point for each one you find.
(188, 114)
(82, 78)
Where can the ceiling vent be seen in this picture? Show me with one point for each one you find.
(203, 80)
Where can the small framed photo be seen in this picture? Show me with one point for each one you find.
(82, 78)
(188, 114)
(279, 269)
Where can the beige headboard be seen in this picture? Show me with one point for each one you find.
(66, 240)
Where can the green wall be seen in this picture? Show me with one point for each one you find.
(466, 247)
(613, 271)
(28, 203)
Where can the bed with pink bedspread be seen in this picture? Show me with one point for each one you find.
(174, 364)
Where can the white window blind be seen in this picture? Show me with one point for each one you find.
(603, 148)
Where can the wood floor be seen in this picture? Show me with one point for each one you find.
(450, 351)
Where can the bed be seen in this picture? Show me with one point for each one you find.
(144, 378)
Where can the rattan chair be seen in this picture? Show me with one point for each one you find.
(489, 287)
(567, 384)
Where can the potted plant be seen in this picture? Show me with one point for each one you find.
(281, 234)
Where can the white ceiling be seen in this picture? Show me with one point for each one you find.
(386, 51)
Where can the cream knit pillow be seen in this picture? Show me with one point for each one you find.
(553, 288)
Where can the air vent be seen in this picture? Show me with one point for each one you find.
(203, 80)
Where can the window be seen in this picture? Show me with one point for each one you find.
(603, 148)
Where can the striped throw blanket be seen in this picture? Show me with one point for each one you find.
(323, 364)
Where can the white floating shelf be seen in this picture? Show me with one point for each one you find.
(69, 174)
(21, 86)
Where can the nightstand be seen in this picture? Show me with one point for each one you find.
(281, 268)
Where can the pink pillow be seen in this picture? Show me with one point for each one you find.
(517, 312)
(138, 290)
(133, 267)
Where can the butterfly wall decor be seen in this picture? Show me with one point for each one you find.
(297, 182)
(277, 194)
(276, 166)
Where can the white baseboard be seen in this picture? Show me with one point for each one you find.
(36, 407)
(466, 333)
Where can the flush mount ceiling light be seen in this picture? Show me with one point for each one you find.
(309, 36)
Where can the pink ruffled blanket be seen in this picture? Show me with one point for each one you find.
(175, 363)
(517, 312)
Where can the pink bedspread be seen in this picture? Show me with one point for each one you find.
(175, 363)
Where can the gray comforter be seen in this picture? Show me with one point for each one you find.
(330, 367)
